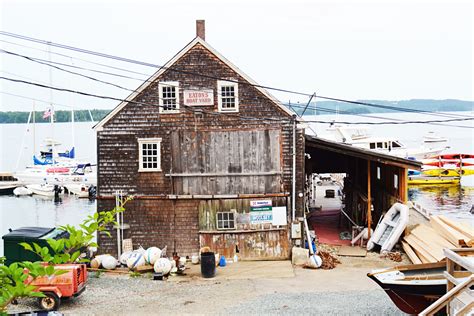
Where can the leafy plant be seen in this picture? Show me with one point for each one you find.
(134, 274)
(68, 250)
(16, 279)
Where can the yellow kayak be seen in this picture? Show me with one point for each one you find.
(448, 172)
(424, 180)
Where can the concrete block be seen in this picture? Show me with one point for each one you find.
(299, 256)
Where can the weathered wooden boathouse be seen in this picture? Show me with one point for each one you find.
(212, 159)
(200, 146)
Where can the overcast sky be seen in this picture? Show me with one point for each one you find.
(381, 50)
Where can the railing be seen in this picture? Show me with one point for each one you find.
(421, 209)
(459, 299)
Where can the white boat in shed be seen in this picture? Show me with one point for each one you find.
(390, 228)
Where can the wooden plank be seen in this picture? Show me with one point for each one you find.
(448, 232)
(410, 253)
(423, 258)
(463, 229)
(429, 235)
(420, 248)
(452, 255)
(434, 250)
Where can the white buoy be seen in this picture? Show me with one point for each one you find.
(21, 191)
(152, 254)
(109, 263)
(195, 259)
(124, 257)
(135, 260)
(97, 261)
(314, 262)
(163, 266)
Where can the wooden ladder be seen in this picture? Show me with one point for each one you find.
(459, 299)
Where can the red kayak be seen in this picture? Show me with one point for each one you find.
(454, 156)
(442, 163)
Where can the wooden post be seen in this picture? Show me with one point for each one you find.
(369, 200)
(403, 190)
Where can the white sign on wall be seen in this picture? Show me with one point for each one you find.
(198, 97)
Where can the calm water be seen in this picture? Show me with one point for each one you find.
(17, 148)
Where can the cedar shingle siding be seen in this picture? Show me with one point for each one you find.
(211, 144)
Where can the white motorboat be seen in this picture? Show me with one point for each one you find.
(390, 228)
(8, 183)
(48, 190)
(360, 137)
(79, 174)
(22, 191)
(81, 190)
(431, 137)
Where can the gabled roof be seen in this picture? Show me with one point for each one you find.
(170, 63)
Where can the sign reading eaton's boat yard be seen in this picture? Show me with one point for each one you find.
(261, 211)
(198, 97)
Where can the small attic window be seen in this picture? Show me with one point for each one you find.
(227, 96)
(169, 96)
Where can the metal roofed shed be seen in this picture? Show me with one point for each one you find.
(14, 252)
(372, 182)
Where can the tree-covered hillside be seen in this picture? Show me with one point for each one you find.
(59, 116)
(315, 108)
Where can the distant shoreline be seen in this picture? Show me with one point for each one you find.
(314, 108)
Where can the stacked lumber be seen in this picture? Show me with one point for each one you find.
(425, 244)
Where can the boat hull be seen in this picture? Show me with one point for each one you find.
(6, 190)
(412, 298)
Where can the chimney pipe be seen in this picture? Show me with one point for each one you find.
(201, 29)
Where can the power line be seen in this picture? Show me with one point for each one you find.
(48, 63)
(326, 110)
(76, 58)
(238, 114)
(103, 55)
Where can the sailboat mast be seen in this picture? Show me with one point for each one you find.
(34, 128)
(51, 103)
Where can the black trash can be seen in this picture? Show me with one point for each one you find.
(14, 252)
(208, 265)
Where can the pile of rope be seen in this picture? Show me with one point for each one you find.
(329, 261)
(394, 256)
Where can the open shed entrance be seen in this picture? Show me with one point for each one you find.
(364, 183)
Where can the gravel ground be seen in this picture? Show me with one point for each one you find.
(249, 288)
(122, 295)
(329, 303)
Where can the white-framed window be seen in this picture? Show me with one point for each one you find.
(149, 154)
(225, 220)
(227, 96)
(168, 96)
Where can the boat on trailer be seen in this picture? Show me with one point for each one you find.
(412, 288)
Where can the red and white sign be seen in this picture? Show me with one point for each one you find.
(198, 97)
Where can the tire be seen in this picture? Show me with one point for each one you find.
(50, 302)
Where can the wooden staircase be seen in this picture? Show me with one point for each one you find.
(459, 299)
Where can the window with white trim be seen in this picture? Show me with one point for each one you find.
(149, 152)
(227, 96)
(225, 220)
(168, 96)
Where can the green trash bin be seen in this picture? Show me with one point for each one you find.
(14, 252)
